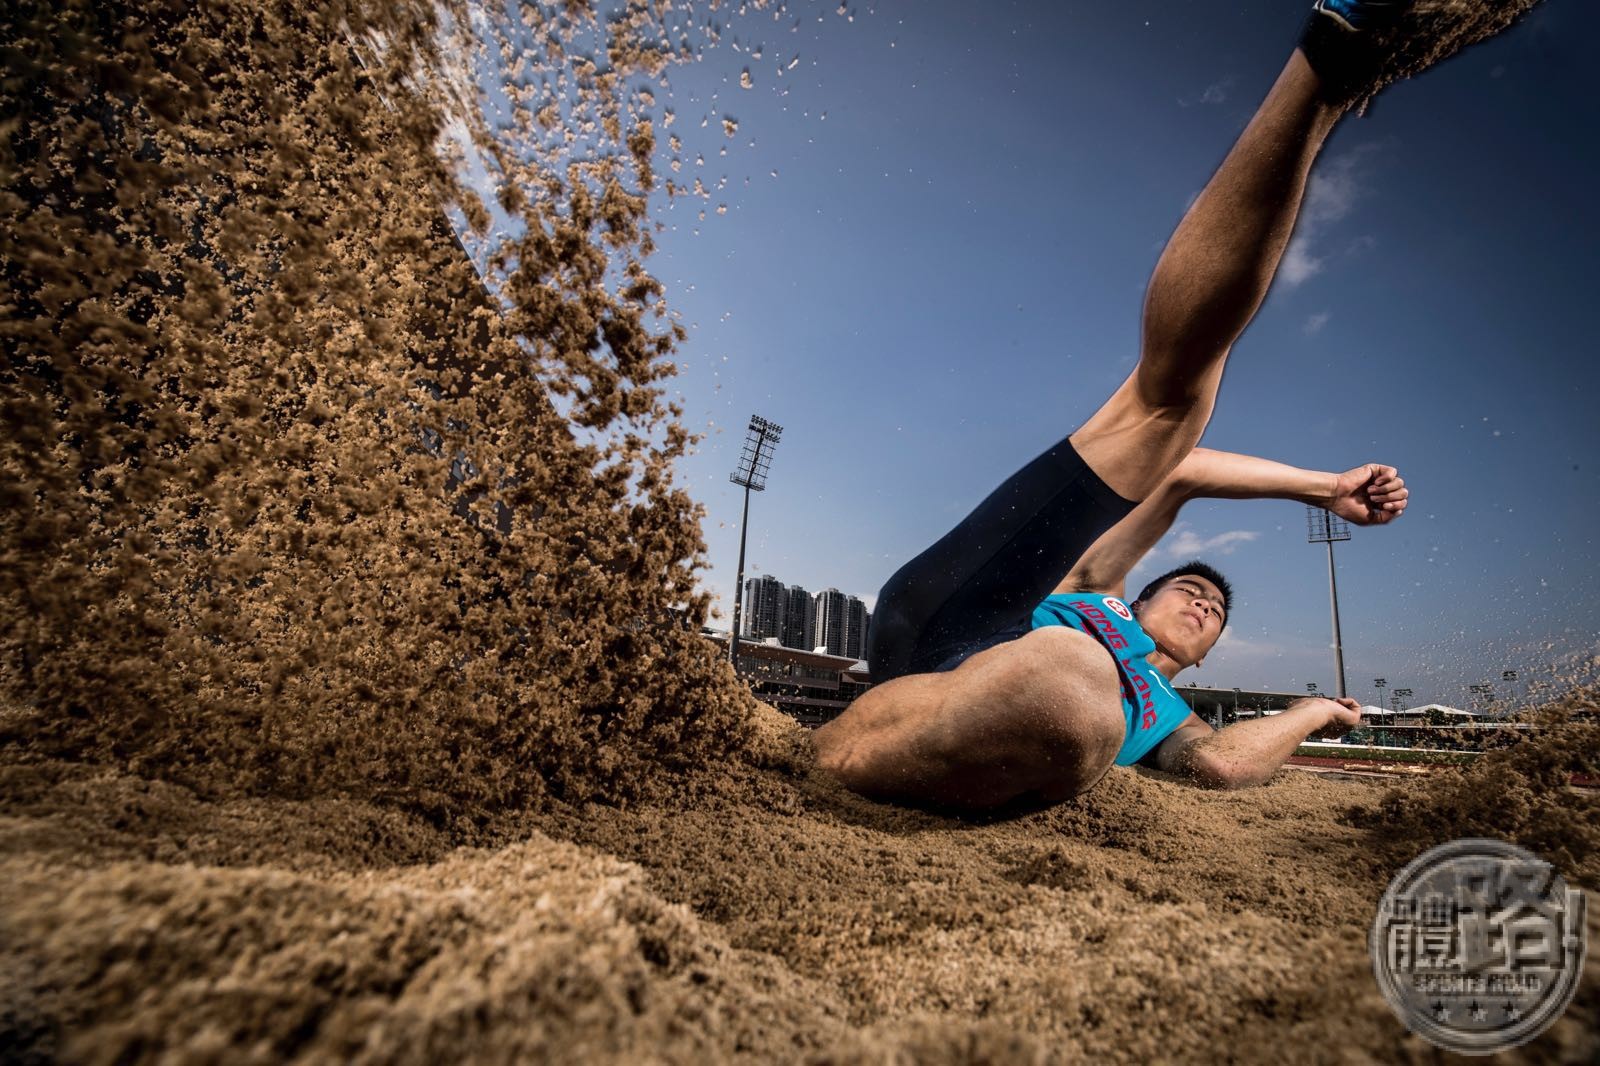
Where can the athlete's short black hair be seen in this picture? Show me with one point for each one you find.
(1195, 568)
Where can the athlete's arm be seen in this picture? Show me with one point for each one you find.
(1164, 755)
(1247, 753)
(1370, 494)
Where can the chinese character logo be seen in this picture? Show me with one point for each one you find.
(1478, 945)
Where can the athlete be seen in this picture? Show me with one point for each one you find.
(1009, 672)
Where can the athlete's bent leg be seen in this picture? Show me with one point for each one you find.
(1208, 284)
(1033, 721)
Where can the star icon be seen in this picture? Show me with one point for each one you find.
(1478, 1013)
(1441, 1012)
(1513, 1013)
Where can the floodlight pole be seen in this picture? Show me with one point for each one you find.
(1338, 640)
(759, 443)
(1324, 527)
(738, 585)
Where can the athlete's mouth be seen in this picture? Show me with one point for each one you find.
(1199, 619)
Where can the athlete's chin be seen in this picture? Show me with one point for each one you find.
(1187, 652)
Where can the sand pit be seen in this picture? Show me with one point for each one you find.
(352, 699)
(768, 916)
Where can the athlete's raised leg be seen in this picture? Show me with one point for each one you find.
(1038, 716)
(1207, 285)
(1217, 268)
(990, 571)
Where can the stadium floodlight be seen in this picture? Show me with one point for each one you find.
(760, 441)
(1380, 683)
(1399, 695)
(1324, 527)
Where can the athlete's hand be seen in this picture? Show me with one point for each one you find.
(1369, 495)
(1344, 714)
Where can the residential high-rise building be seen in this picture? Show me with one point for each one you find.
(766, 603)
(831, 613)
(799, 623)
(855, 628)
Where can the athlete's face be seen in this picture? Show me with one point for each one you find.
(1184, 617)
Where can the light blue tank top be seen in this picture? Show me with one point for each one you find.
(1152, 708)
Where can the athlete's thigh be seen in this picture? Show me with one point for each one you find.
(1034, 714)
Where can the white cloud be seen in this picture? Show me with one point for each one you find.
(1335, 185)
(1319, 319)
(1298, 262)
(1188, 542)
(1184, 543)
(1242, 648)
(1215, 93)
(1334, 188)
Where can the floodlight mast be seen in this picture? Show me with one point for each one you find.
(759, 443)
(1324, 527)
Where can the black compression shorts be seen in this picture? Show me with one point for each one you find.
(978, 586)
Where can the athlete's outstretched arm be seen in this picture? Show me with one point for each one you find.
(1247, 753)
(1370, 494)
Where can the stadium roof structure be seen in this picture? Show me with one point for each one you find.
(1449, 712)
(771, 649)
(1242, 693)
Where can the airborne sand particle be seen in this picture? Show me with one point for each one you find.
(291, 508)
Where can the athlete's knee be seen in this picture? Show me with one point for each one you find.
(827, 743)
(1086, 750)
(1072, 697)
(855, 746)
(1164, 396)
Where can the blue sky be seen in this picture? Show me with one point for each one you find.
(937, 227)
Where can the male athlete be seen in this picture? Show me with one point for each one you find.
(1009, 672)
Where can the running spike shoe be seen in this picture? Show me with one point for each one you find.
(1358, 47)
(1346, 42)
(1359, 15)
